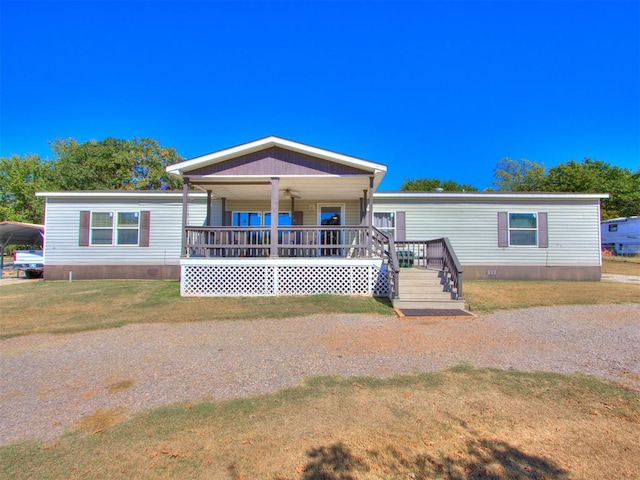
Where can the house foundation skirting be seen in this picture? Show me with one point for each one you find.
(532, 272)
(103, 272)
(270, 277)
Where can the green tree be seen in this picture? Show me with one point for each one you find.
(431, 184)
(597, 176)
(519, 175)
(20, 179)
(114, 164)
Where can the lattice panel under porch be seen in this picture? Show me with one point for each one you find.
(308, 280)
(381, 287)
(267, 280)
(221, 281)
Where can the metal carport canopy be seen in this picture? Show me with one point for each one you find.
(18, 233)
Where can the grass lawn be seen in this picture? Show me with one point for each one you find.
(62, 307)
(490, 295)
(621, 265)
(463, 423)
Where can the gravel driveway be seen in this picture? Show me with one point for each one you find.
(50, 381)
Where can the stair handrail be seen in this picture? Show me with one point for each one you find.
(453, 266)
(390, 258)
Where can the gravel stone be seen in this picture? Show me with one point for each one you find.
(49, 382)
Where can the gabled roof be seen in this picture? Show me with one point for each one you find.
(272, 141)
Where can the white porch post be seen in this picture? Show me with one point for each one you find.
(275, 182)
(185, 215)
(370, 217)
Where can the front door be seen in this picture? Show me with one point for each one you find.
(329, 215)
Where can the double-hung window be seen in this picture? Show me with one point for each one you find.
(101, 228)
(127, 228)
(115, 228)
(385, 222)
(523, 229)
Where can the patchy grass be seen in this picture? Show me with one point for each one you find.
(61, 307)
(621, 265)
(490, 295)
(464, 423)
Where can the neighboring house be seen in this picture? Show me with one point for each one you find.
(621, 235)
(278, 217)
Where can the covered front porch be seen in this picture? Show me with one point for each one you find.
(283, 218)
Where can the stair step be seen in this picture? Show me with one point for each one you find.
(448, 304)
(419, 271)
(425, 296)
(414, 288)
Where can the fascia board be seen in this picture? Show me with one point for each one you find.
(226, 154)
(117, 194)
(489, 196)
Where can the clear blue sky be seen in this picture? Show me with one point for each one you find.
(431, 89)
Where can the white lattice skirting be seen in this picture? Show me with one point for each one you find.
(268, 277)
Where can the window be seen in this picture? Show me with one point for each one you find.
(523, 229)
(385, 222)
(284, 219)
(127, 228)
(246, 219)
(258, 219)
(119, 228)
(115, 228)
(613, 227)
(101, 228)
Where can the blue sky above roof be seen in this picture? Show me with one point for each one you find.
(430, 89)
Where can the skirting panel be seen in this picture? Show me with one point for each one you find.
(270, 280)
(532, 272)
(103, 272)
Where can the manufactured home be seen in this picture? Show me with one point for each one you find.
(274, 217)
(621, 236)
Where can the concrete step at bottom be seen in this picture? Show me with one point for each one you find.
(425, 296)
(415, 304)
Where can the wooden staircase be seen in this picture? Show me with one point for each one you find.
(422, 288)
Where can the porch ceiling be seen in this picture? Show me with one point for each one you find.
(304, 188)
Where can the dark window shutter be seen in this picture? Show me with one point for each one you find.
(401, 227)
(227, 219)
(298, 218)
(85, 228)
(145, 224)
(503, 229)
(543, 230)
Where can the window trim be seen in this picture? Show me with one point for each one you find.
(536, 229)
(114, 228)
(395, 221)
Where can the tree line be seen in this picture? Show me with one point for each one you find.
(140, 164)
(109, 164)
(587, 176)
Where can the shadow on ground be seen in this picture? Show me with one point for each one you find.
(481, 459)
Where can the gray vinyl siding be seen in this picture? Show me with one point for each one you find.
(472, 228)
(62, 227)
